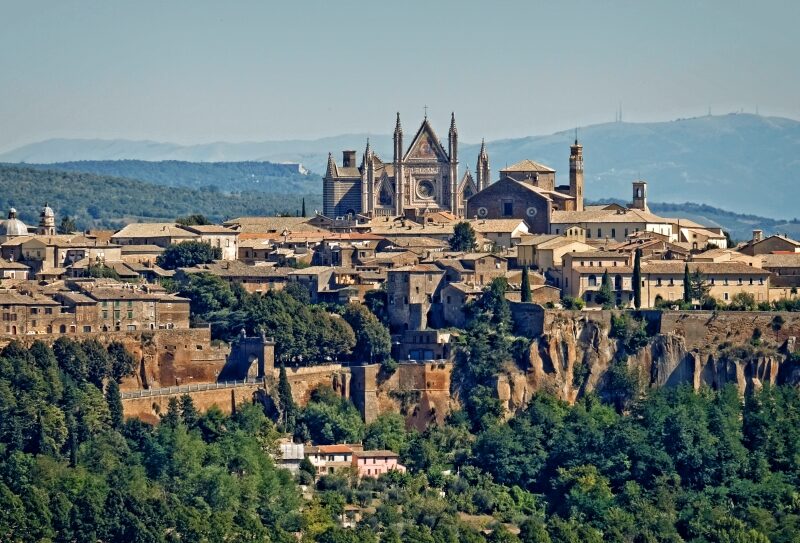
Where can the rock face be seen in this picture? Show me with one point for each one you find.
(573, 353)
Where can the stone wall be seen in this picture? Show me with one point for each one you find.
(227, 399)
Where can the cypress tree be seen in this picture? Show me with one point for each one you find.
(303, 209)
(637, 279)
(526, 285)
(114, 401)
(189, 412)
(605, 296)
(687, 285)
(285, 401)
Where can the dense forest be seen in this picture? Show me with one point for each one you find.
(624, 465)
(95, 201)
(226, 176)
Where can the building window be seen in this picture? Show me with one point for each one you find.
(130, 314)
(48, 310)
(658, 282)
(105, 314)
(508, 209)
(613, 232)
(725, 296)
(592, 280)
(599, 232)
(87, 329)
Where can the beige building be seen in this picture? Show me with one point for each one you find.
(545, 252)
(582, 276)
(662, 280)
(165, 234)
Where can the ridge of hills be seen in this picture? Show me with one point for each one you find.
(714, 160)
(101, 201)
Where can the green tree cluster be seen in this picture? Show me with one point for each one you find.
(188, 254)
(463, 238)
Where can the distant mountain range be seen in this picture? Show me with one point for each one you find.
(745, 163)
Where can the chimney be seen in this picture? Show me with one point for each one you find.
(349, 159)
(758, 235)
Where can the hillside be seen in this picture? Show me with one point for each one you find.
(714, 160)
(227, 176)
(109, 202)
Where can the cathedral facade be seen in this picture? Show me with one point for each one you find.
(421, 177)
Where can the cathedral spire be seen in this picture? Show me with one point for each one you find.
(453, 123)
(398, 140)
(367, 155)
(331, 171)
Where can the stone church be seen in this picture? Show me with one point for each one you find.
(422, 177)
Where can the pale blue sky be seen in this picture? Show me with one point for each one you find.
(197, 71)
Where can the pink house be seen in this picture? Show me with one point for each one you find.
(376, 463)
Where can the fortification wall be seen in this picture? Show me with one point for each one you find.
(227, 399)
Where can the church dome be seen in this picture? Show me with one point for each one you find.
(13, 226)
(47, 211)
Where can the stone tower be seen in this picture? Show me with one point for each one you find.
(640, 195)
(576, 174)
(482, 178)
(452, 150)
(47, 222)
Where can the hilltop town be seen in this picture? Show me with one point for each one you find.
(421, 299)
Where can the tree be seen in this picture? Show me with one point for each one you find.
(114, 400)
(303, 208)
(286, 405)
(605, 296)
(526, 285)
(172, 418)
(188, 254)
(102, 271)
(67, 225)
(699, 288)
(193, 220)
(189, 412)
(373, 341)
(388, 431)
(122, 361)
(637, 279)
(463, 238)
(687, 285)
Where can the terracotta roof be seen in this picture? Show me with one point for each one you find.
(418, 268)
(781, 260)
(497, 225)
(605, 216)
(210, 229)
(528, 166)
(705, 268)
(331, 449)
(376, 454)
(153, 230)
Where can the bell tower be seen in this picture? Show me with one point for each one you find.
(640, 195)
(576, 173)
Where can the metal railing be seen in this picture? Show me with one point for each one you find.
(183, 389)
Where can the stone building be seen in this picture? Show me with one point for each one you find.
(413, 296)
(527, 190)
(421, 177)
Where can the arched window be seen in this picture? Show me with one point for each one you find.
(62, 329)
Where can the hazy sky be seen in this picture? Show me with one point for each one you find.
(197, 71)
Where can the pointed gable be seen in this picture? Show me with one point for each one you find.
(467, 186)
(426, 145)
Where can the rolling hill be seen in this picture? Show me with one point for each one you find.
(226, 176)
(97, 201)
(745, 163)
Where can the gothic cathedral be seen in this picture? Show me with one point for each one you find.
(422, 177)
